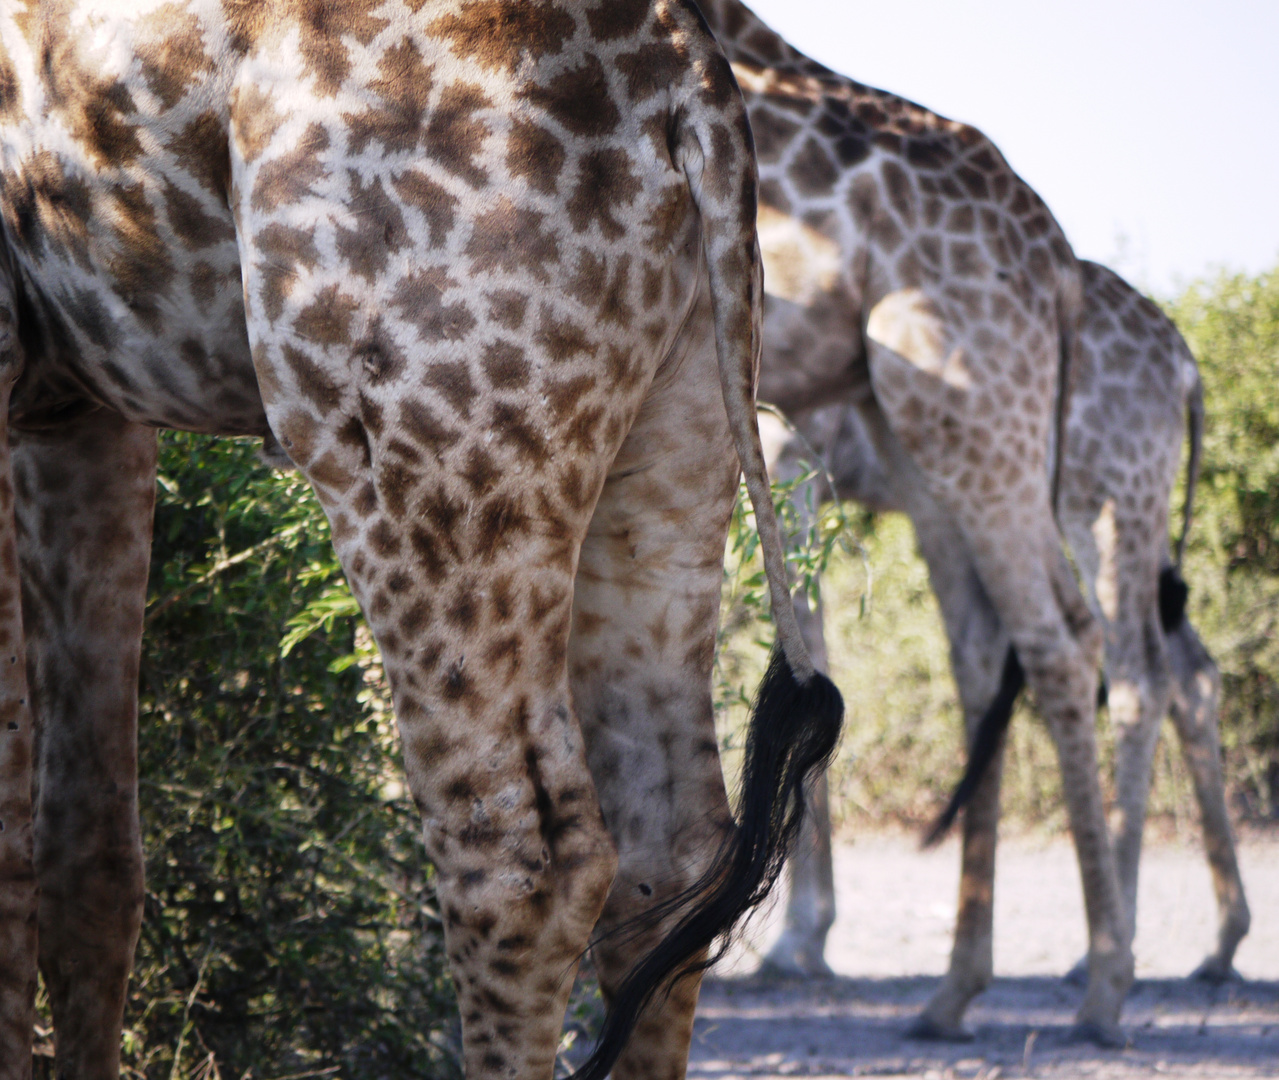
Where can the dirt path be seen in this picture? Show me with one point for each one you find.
(892, 939)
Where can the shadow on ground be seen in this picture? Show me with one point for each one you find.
(761, 1027)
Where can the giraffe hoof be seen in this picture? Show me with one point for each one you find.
(790, 965)
(926, 1029)
(1107, 1036)
(1077, 975)
(1213, 972)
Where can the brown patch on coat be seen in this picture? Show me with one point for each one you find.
(435, 204)
(170, 44)
(454, 136)
(404, 85)
(652, 68)
(498, 522)
(605, 183)
(256, 121)
(613, 19)
(327, 319)
(562, 338)
(379, 229)
(195, 228)
(500, 34)
(813, 172)
(10, 103)
(579, 99)
(204, 153)
(283, 251)
(321, 24)
(505, 365)
(535, 154)
(420, 299)
(511, 428)
(511, 238)
(43, 200)
(425, 428)
(453, 382)
(381, 359)
(94, 109)
(141, 268)
(288, 178)
(312, 380)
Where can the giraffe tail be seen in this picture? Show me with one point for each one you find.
(1195, 431)
(1173, 590)
(990, 730)
(798, 712)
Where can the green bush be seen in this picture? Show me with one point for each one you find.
(1232, 324)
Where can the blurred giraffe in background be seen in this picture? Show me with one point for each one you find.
(1135, 386)
(911, 271)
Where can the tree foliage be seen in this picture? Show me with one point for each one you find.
(1232, 324)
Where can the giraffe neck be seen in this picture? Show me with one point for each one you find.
(766, 65)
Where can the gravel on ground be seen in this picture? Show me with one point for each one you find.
(891, 941)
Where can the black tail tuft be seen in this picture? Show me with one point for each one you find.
(1173, 594)
(793, 731)
(985, 745)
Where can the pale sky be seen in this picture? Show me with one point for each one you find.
(1151, 127)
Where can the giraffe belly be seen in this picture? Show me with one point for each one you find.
(180, 360)
(114, 191)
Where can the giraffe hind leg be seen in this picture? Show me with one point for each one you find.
(979, 659)
(645, 616)
(1196, 690)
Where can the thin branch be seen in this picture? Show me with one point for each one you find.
(158, 607)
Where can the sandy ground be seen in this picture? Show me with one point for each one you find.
(892, 940)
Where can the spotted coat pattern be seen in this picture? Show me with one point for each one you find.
(467, 264)
(1135, 383)
(910, 270)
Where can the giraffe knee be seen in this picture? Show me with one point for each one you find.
(533, 883)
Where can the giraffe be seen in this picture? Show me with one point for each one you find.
(486, 272)
(1135, 382)
(909, 269)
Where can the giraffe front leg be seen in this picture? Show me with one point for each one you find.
(810, 903)
(86, 496)
(1196, 687)
(18, 889)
